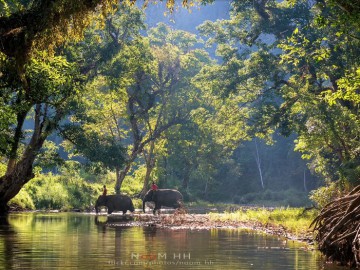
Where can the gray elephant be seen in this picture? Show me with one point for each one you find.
(163, 197)
(115, 203)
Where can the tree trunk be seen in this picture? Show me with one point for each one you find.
(11, 183)
(120, 176)
(146, 181)
(150, 164)
(206, 190)
(21, 116)
(305, 188)
(258, 163)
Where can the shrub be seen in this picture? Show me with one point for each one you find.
(137, 203)
(81, 195)
(22, 200)
(52, 195)
(323, 195)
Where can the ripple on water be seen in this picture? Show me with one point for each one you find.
(81, 241)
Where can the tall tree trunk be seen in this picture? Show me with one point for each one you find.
(146, 181)
(12, 182)
(150, 164)
(15, 143)
(206, 190)
(120, 176)
(305, 188)
(258, 163)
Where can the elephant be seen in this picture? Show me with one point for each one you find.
(163, 197)
(115, 203)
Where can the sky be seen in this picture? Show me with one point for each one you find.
(182, 19)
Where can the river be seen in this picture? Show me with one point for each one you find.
(82, 241)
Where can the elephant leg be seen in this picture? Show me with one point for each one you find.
(110, 210)
(178, 204)
(157, 207)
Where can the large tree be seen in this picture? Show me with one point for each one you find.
(143, 91)
(52, 81)
(294, 75)
(35, 80)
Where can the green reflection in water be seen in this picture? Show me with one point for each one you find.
(83, 241)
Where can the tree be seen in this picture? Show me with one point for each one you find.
(28, 26)
(34, 81)
(141, 93)
(291, 89)
(52, 81)
(305, 80)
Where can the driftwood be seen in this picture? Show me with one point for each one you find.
(337, 229)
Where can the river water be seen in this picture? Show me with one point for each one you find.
(82, 241)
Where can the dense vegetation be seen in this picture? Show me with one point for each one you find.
(91, 96)
(131, 105)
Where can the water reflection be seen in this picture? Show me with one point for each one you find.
(82, 241)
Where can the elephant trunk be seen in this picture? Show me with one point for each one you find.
(144, 206)
(96, 207)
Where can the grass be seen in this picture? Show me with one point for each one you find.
(206, 205)
(293, 220)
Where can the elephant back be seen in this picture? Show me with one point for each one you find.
(173, 192)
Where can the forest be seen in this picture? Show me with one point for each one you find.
(259, 106)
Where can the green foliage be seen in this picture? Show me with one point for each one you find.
(47, 192)
(161, 108)
(324, 195)
(22, 201)
(290, 197)
(7, 119)
(293, 74)
(137, 203)
(295, 220)
(2, 169)
(97, 148)
(133, 182)
(49, 157)
(82, 195)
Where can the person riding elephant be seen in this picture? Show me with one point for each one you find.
(115, 203)
(164, 197)
(154, 187)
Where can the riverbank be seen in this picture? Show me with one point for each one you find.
(290, 223)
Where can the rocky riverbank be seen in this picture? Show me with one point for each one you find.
(180, 220)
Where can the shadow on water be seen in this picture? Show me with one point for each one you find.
(9, 243)
(85, 241)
